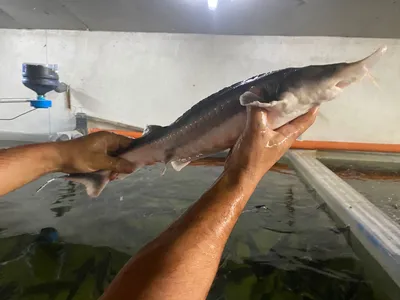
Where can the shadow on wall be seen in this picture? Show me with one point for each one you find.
(88, 102)
(94, 107)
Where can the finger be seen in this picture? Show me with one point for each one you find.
(117, 142)
(305, 121)
(228, 156)
(257, 119)
(230, 152)
(113, 175)
(298, 126)
(118, 165)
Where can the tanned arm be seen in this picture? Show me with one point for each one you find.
(23, 164)
(182, 262)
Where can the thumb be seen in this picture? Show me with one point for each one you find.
(256, 118)
(120, 165)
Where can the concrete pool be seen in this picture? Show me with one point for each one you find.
(283, 247)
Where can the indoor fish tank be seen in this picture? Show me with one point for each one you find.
(284, 246)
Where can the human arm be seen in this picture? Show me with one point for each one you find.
(23, 164)
(181, 263)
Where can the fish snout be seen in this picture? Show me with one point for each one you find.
(348, 73)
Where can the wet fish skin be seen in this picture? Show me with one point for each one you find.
(215, 123)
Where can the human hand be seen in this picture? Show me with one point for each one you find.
(259, 147)
(93, 152)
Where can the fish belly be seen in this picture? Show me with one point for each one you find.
(189, 145)
(217, 139)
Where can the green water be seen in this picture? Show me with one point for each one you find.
(283, 247)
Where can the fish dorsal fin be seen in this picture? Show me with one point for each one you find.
(179, 165)
(151, 128)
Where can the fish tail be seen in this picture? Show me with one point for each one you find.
(94, 182)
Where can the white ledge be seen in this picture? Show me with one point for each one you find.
(373, 229)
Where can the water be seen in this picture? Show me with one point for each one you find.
(379, 186)
(283, 247)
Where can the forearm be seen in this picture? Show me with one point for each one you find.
(182, 262)
(23, 164)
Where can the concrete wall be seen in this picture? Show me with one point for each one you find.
(150, 78)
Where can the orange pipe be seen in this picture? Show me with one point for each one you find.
(132, 134)
(346, 146)
(285, 169)
(306, 145)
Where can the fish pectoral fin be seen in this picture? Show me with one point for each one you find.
(179, 165)
(251, 99)
(151, 128)
(247, 98)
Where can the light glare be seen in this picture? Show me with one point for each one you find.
(212, 4)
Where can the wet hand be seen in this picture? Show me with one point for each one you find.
(260, 147)
(92, 153)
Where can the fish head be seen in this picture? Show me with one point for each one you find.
(320, 83)
(294, 91)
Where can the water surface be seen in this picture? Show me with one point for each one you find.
(283, 247)
(380, 186)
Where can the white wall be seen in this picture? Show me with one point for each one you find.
(140, 79)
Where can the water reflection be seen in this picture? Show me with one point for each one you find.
(41, 267)
(65, 199)
(293, 268)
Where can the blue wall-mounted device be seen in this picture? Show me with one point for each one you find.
(40, 78)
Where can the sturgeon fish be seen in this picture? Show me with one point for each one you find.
(215, 123)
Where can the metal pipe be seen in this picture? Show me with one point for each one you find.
(13, 118)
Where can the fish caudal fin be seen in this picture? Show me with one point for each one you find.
(94, 182)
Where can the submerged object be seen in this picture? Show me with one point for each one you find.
(215, 123)
(48, 235)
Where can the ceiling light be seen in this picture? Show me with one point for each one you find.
(212, 4)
